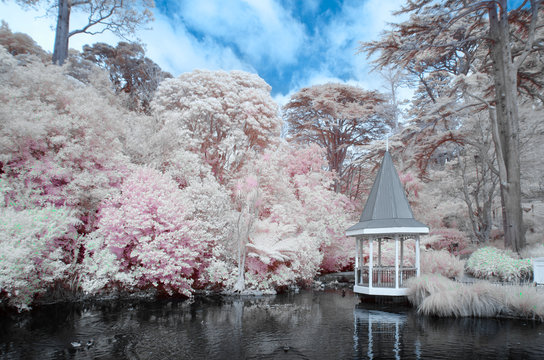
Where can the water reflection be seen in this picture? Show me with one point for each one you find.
(383, 330)
(397, 333)
(309, 325)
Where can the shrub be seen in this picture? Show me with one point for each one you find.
(490, 262)
(146, 227)
(30, 258)
(448, 239)
(441, 262)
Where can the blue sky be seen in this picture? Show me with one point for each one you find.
(289, 43)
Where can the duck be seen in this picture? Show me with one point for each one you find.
(76, 344)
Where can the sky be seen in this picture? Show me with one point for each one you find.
(291, 44)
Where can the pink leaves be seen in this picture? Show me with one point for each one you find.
(145, 226)
(301, 222)
(251, 183)
(247, 184)
(449, 239)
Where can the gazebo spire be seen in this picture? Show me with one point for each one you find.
(387, 210)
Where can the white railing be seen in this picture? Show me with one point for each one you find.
(383, 276)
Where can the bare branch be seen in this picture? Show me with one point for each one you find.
(99, 20)
(535, 6)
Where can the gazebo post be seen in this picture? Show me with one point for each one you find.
(362, 258)
(371, 263)
(357, 260)
(417, 256)
(401, 259)
(379, 261)
(396, 261)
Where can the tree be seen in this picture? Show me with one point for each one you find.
(121, 17)
(298, 222)
(131, 72)
(223, 117)
(69, 155)
(393, 78)
(31, 261)
(466, 39)
(247, 200)
(337, 117)
(18, 44)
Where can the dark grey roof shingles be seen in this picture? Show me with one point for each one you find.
(387, 205)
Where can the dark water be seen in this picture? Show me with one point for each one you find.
(309, 325)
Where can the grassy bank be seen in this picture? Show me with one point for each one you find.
(436, 295)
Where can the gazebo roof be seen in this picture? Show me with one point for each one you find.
(387, 210)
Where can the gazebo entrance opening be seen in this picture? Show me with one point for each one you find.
(387, 278)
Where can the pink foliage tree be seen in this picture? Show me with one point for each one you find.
(146, 226)
(300, 221)
(61, 138)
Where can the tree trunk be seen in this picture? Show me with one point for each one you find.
(506, 120)
(60, 51)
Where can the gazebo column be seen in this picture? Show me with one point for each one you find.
(357, 239)
(371, 263)
(361, 259)
(396, 261)
(401, 260)
(379, 261)
(417, 255)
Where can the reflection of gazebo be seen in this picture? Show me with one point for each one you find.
(387, 216)
(384, 329)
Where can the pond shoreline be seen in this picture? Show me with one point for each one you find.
(342, 280)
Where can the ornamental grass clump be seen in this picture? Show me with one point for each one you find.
(441, 262)
(426, 285)
(490, 262)
(435, 295)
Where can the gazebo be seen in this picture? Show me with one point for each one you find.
(387, 216)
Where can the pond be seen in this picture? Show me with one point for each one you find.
(328, 324)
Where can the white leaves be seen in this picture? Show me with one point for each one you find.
(27, 262)
(222, 116)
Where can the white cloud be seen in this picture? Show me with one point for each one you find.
(177, 51)
(260, 30)
(281, 99)
(339, 40)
